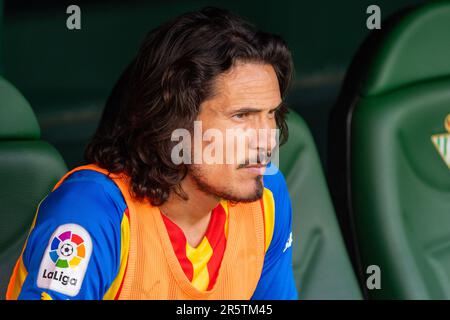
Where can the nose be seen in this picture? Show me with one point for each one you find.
(266, 138)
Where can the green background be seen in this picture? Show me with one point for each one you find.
(67, 75)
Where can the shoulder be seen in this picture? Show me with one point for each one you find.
(78, 229)
(277, 209)
(86, 200)
(84, 194)
(275, 182)
(277, 280)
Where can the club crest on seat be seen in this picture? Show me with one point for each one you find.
(442, 142)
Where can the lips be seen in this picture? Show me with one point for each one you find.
(258, 169)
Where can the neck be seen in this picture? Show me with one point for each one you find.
(193, 211)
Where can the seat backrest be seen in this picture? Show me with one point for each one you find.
(29, 168)
(389, 153)
(322, 268)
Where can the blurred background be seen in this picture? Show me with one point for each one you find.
(67, 75)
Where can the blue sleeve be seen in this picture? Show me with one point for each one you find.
(73, 251)
(277, 277)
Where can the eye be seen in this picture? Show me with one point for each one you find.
(242, 115)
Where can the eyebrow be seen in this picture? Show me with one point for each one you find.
(253, 110)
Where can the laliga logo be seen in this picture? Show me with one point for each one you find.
(67, 250)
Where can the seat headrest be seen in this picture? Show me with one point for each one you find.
(17, 119)
(417, 48)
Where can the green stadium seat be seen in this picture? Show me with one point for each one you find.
(389, 154)
(29, 168)
(322, 267)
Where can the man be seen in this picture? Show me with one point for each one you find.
(136, 224)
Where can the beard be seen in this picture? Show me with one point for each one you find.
(226, 193)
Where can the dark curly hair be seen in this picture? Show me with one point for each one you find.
(162, 89)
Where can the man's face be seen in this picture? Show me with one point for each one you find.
(246, 98)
